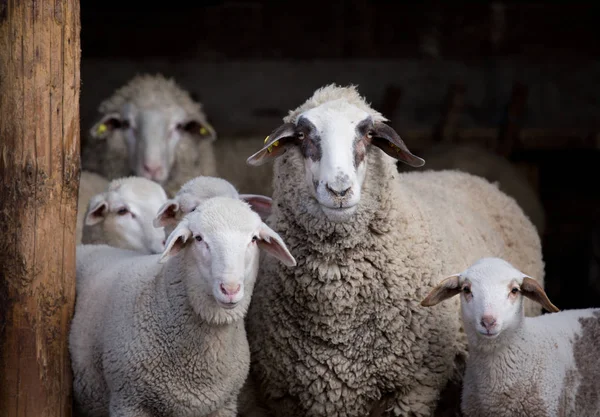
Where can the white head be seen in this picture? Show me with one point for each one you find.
(334, 131)
(200, 189)
(491, 294)
(220, 243)
(152, 115)
(122, 216)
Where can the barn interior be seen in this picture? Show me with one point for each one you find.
(518, 78)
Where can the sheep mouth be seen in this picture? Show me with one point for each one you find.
(339, 213)
(227, 306)
(487, 334)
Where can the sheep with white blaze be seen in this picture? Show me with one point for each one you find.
(164, 334)
(123, 215)
(522, 366)
(199, 189)
(151, 128)
(344, 330)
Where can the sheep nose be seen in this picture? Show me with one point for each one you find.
(153, 170)
(488, 322)
(337, 192)
(230, 289)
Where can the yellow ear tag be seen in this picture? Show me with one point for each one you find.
(203, 130)
(266, 139)
(101, 128)
(270, 148)
(394, 146)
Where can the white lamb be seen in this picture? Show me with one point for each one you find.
(152, 128)
(522, 366)
(123, 215)
(164, 334)
(199, 189)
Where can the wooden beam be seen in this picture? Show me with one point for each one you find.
(39, 181)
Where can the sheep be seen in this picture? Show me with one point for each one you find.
(90, 184)
(522, 366)
(343, 331)
(123, 215)
(164, 334)
(151, 128)
(199, 189)
(480, 161)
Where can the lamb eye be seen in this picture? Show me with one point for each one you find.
(122, 211)
(466, 290)
(254, 238)
(370, 134)
(198, 238)
(514, 290)
(300, 135)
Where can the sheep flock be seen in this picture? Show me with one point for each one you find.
(323, 286)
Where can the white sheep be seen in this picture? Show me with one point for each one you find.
(90, 184)
(164, 334)
(199, 189)
(151, 128)
(343, 331)
(522, 366)
(122, 216)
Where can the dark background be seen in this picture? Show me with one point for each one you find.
(527, 74)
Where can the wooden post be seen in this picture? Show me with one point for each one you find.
(39, 181)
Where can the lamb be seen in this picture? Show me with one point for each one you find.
(164, 334)
(90, 184)
(343, 331)
(123, 215)
(480, 161)
(199, 189)
(152, 128)
(522, 366)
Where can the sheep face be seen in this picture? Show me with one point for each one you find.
(492, 292)
(126, 212)
(151, 135)
(334, 139)
(221, 240)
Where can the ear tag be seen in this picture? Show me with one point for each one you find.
(101, 128)
(394, 146)
(266, 139)
(203, 130)
(270, 148)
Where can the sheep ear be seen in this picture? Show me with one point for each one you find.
(97, 210)
(386, 138)
(167, 214)
(275, 144)
(261, 204)
(200, 128)
(272, 243)
(449, 287)
(176, 241)
(532, 289)
(108, 123)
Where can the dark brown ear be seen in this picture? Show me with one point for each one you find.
(449, 287)
(275, 144)
(107, 124)
(534, 291)
(199, 128)
(386, 138)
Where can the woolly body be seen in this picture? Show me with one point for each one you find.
(333, 335)
(151, 339)
(151, 94)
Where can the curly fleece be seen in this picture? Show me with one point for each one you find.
(343, 328)
(109, 156)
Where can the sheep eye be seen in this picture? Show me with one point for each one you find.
(122, 211)
(301, 135)
(198, 238)
(370, 134)
(254, 238)
(514, 290)
(466, 290)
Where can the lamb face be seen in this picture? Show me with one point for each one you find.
(334, 139)
(125, 213)
(222, 238)
(151, 118)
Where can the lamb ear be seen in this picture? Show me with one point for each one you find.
(200, 128)
(167, 214)
(107, 123)
(275, 144)
(272, 243)
(447, 288)
(388, 140)
(261, 204)
(97, 210)
(176, 241)
(532, 289)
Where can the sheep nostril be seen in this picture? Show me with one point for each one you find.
(230, 289)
